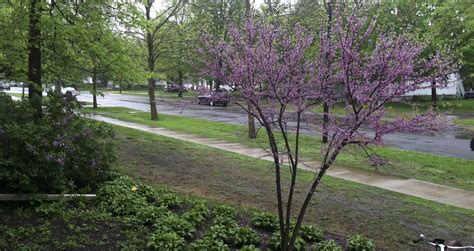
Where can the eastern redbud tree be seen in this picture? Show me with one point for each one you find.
(270, 69)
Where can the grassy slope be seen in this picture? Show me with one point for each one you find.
(340, 207)
(438, 169)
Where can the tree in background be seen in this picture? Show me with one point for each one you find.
(442, 25)
(147, 22)
(268, 66)
(76, 40)
(215, 17)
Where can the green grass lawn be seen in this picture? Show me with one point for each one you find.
(342, 208)
(19, 95)
(465, 121)
(407, 164)
(405, 108)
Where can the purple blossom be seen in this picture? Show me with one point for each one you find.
(61, 161)
(57, 143)
(49, 157)
(270, 71)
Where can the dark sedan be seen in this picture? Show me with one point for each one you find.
(214, 98)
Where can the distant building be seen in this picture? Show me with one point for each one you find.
(454, 88)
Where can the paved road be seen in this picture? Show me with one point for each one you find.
(454, 143)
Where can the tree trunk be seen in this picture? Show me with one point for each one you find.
(151, 65)
(151, 95)
(180, 82)
(251, 118)
(434, 96)
(34, 56)
(326, 106)
(57, 88)
(325, 122)
(94, 89)
(251, 123)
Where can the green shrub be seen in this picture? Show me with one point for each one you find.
(59, 151)
(149, 215)
(265, 221)
(118, 197)
(361, 243)
(166, 241)
(209, 244)
(225, 233)
(167, 199)
(224, 211)
(249, 248)
(197, 214)
(174, 223)
(245, 236)
(274, 242)
(330, 245)
(150, 193)
(311, 233)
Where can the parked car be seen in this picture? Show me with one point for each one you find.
(4, 86)
(214, 98)
(469, 95)
(64, 90)
(176, 88)
(16, 84)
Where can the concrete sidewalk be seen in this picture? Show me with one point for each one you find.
(421, 189)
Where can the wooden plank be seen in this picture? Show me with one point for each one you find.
(51, 197)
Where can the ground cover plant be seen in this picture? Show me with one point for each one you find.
(131, 215)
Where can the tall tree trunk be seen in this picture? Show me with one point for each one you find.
(57, 88)
(251, 118)
(180, 82)
(94, 89)
(151, 66)
(434, 96)
(34, 56)
(251, 123)
(325, 105)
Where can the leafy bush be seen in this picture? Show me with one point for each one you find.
(197, 214)
(274, 242)
(58, 151)
(361, 243)
(209, 244)
(169, 200)
(311, 233)
(224, 211)
(245, 236)
(265, 221)
(225, 233)
(250, 248)
(173, 223)
(166, 241)
(149, 215)
(119, 197)
(330, 245)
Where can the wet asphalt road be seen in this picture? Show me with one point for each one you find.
(454, 143)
